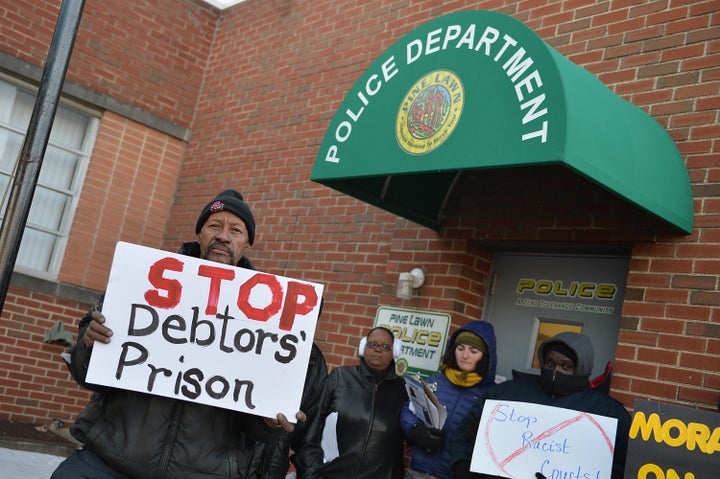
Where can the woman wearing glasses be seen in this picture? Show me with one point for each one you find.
(357, 434)
(466, 370)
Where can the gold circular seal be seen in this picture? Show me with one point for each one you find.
(401, 366)
(429, 112)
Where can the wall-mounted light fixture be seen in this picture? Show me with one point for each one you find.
(408, 282)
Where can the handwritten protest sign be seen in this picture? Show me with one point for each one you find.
(672, 442)
(517, 440)
(202, 331)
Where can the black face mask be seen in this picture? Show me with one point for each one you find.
(558, 384)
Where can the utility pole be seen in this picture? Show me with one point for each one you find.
(36, 139)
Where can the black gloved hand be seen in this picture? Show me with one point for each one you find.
(427, 438)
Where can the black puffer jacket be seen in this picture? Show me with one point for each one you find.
(146, 436)
(369, 437)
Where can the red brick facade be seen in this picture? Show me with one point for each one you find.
(255, 87)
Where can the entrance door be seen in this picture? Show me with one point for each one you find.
(535, 296)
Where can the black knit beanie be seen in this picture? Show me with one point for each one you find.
(232, 201)
(468, 337)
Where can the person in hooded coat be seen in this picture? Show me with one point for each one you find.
(566, 362)
(467, 369)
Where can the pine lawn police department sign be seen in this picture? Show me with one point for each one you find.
(476, 90)
(430, 109)
(423, 335)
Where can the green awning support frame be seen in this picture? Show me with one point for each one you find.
(478, 89)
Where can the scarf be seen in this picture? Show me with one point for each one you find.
(558, 384)
(463, 379)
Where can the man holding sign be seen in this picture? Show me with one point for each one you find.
(566, 364)
(128, 433)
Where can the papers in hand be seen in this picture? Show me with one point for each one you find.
(329, 442)
(423, 402)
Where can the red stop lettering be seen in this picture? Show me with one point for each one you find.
(260, 314)
(172, 287)
(292, 307)
(216, 275)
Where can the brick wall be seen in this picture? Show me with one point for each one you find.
(149, 53)
(130, 182)
(35, 385)
(281, 75)
(259, 84)
(127, 194)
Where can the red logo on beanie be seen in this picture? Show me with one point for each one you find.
(217, 206)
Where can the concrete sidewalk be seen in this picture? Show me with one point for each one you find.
(26, 464)
(30, 451)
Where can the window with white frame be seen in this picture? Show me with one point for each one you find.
(60, 180)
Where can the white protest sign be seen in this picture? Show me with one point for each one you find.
(518, 439)
(206, 332)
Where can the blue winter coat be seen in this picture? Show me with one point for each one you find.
(458, 401)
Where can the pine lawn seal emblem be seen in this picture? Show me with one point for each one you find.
(429, 112)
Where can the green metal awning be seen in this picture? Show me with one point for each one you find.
(477, 89)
